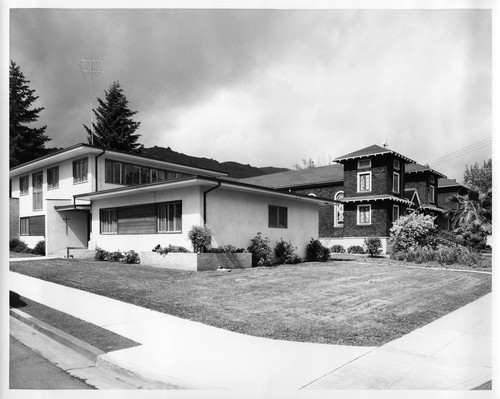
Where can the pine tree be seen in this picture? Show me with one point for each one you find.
(114, 128)
(26, 143)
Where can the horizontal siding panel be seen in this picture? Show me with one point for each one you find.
(37, 225)
(137, 219)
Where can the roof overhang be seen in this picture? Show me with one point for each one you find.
(374, 154)
(374, 198)
(426, 170)
(73, 208)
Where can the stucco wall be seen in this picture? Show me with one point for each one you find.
(236, 217)
(191, 205)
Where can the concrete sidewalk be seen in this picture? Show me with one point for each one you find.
(453, 352)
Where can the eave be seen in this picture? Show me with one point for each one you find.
(374, 198)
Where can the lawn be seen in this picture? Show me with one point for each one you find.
(349, 303)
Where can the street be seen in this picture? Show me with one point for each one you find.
(29, 370)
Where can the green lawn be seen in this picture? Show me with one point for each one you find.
(352, 303)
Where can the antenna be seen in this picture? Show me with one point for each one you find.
(87, 67)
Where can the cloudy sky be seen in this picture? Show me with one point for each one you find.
(270, 87)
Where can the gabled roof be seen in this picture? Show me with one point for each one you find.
(371, 151)
(412, 195)
(444, 182)
(417, 168)
(301, 177)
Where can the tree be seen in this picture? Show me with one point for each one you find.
(306, 164)
(114, 128)
(26, 143)
(479, 178)
(474, 211)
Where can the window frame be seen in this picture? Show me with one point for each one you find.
(358, 214)
(368, 166)
(398, 188)
(394, 207)
(396, 164)
(55, 184)
(24, 225)
(336, 207)
(37, 194)
(109, 221)
(279, 217)
(358, 181)
(21, 192)
(84, 178)
(176, 217)
(432, 194)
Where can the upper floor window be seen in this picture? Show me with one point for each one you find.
(433, 179)
(396, 165)
(395, 182)
(432, 194)
(80, 170)
(278, 216)
(364, 214)
(24, 184)
(364, 181)
(364, 163)
(37, 191)
(338, 220)
(53, 178)
(113, 172)
(169, 217)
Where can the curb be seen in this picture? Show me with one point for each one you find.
(79, 346)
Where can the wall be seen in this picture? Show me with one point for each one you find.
(13, 218)
(58, 238)
(380, 220)
(237, 216)
(191, 210)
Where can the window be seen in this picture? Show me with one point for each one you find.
(433, 179)
(364, 181)
(364, 214)
(145, 175)
(25, 226)
(396, 165)
(113, 172)
(278, 216)
(53, 178)
(395, 212)
(395, 182)
(364, 163)
(338, 220)
(169, 217)
(109, 221)
(24, 184)
(432, 193)
(80, 170)
(37, 191)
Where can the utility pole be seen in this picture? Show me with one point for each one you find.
(87, 66)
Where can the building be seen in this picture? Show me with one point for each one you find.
(372, 187)
(88, 197)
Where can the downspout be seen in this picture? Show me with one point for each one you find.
(95, 169)
(205, 202)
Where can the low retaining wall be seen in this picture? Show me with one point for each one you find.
(197, 262)
(80, 253)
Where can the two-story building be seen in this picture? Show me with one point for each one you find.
(88, 197)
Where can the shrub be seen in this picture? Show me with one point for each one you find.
(284, 251)
(170, 248)
(16, 245)
(471, 237)
(262, 254)
(101, 254)
(315, 251)
(356, 249)
(413, 230)
(115, 256)
(200, 237)
(373, 245)
(226, 249)
(39, 248)
(131, 257)
(339, 249)
(442, 255)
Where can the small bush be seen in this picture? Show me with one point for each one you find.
(201, 238)
(16, 245)
(262, 254)
(101, 254)
(39, 248)
(442, 255)
(356, 249)
(285, 253)
(316, 252)
(115, 256)
(170, 248)
(227, 249)
(373, 246)
(338, 249)
(131, 257)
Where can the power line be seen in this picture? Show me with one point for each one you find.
(473, 147)
(87, 67)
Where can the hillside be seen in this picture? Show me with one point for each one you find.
(234, 169)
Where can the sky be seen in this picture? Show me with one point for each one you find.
(269, 87)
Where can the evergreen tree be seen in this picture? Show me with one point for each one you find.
(114, 128)
(26, 143)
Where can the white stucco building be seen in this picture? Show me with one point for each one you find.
(87, 197)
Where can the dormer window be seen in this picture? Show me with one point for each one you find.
(364, 163)
(397, 164)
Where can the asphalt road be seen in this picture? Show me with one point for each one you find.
(29, 370)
